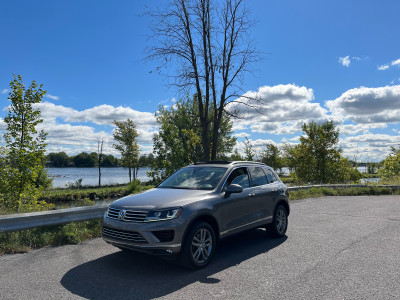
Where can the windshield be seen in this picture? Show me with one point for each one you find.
(195, 178)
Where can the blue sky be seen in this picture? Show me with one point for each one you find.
(323, 60)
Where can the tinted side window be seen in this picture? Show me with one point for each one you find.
(257, 176)
(238, 176)
(271, 176)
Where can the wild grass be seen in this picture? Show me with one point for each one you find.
(72, 233)
(352, 191)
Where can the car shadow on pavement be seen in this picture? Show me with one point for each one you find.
(124, 275)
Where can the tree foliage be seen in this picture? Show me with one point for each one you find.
(391, 164)
(272, 157)
(178, 141)
(24, 152)
(209, 41)
(248, 150)
(125, 136)
(317, 159)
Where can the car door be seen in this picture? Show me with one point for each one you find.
(275, 186)
(263, 193)
(237, 208)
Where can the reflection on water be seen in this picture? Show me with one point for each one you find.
(90, 176)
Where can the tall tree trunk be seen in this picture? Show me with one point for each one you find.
(130, 174)
(99, 175)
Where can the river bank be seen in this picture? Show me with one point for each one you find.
(62, 177)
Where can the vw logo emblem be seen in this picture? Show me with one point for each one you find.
(122, 214)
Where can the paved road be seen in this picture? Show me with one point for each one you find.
(336, 248)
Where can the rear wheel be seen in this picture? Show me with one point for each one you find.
(199, 245)
(279, 224)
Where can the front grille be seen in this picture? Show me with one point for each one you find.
(130, 216)
(164, 235)
(124, 235)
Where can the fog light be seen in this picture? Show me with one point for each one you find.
(169, 251)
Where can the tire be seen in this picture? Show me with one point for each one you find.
(198, 247)
(279, 224)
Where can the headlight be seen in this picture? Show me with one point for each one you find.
(161, 215)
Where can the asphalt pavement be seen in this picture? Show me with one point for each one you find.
(336, 248)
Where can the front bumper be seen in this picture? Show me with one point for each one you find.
(141, 236)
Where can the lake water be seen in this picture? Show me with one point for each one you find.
(90, 176)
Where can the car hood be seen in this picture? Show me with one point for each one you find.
(159, 198)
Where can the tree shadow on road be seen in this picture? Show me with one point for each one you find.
(123, 275)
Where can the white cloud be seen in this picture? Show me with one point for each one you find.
(100, 115)
(241, 135)
(3, 125)
(52, 97)
(383, 67)
(396, 62)
(78, 138)
(388, 65)
(5, 91)
(353, 129)
(345, 61)
(368, 147)
(280, 109)
(368, 105)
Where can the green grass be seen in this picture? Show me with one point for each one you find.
(72, 233)
(71, 195)
(93, 193)
(353, 191)
(391, 181)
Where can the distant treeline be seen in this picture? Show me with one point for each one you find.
(88, 160)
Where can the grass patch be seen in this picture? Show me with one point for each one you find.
(111, 192)
(390, 181)
(352, 191)
(72, 233)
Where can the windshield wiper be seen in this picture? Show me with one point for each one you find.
(176, 187)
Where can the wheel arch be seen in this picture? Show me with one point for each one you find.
(204, 218)
(284, 203)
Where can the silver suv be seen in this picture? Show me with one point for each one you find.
(191, 210)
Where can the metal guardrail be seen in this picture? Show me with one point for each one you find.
(346, 186)
(17, 222)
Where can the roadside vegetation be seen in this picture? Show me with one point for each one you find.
(369, 190)
(72, 233)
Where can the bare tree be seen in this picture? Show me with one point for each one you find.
(100, 143)
(209, 41)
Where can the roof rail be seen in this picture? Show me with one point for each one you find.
(247, 162)
(221, 162)
(227, 162)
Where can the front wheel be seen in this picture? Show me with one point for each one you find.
(199, 246)
(279, 224)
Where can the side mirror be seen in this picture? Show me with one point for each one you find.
(234, 188)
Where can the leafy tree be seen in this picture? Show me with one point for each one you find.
(58, 159)
(248, 150)
(178, 141)
(272, 156)
(317, 158)
(236, 156)
(391, 164)
(209, 40)
(24, 153)
(85, 160)
(109, 161)
(125, 135)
